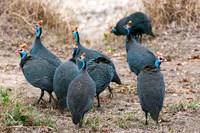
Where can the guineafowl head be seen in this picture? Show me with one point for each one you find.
(24, 46)
(83, 60)
(38, 29)
(112, 29)
(128, 27)
(75, 33)
(159, 60)
(22, 53)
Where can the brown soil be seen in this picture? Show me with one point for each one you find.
(182, 77)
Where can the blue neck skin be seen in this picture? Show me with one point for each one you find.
(84, 64)
(157, 63)
(38, 31)
(128, 31)
(75, 52)
(114, 30)
(76, 36)
(23, 54)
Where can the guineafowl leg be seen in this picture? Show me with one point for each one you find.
(140, 38)
(146, 115)
(98, 101)
(51, 96)
(157, 122)
(41, 96)
(110, 91)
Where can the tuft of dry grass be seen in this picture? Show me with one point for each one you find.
(165, 13)
(20, 15)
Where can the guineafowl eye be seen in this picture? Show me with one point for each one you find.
(80, 58)
(162, 59)
(20, 50)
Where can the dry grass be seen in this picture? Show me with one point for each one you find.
(21, 15)
(181, 13)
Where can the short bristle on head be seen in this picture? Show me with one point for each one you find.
(110, 29)
(40, 23)
(76, 28)
(24, 46)
(128, 25)
(158, 54)
(83, 56)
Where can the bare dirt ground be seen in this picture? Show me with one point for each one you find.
(123, 113)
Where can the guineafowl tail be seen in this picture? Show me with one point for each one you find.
(116, 79)
(76, 118)
(155, 114)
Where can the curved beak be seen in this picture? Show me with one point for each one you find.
(18, 51)
(163, 59)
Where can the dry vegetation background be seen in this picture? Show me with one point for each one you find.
(20, 15)
(171, 20)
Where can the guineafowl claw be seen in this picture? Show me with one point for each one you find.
(41, 97)
(98, 101)
(157, 123)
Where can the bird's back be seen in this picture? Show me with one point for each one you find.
(39, 73)
(93, 54)
(64, 74)
(138, 56)
(138, 17)
(140, 23)
(151, 90)
(40, 51)
(101, 71)
(81, 93)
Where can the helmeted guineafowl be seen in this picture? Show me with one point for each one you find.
(140, 25)
(137, 55)
(151, 89)
(39, 50)
(92, 54)
(102, 72)
(81, 93)
(38, 72)
(64, 74)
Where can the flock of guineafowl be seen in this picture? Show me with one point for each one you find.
(89, 72)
